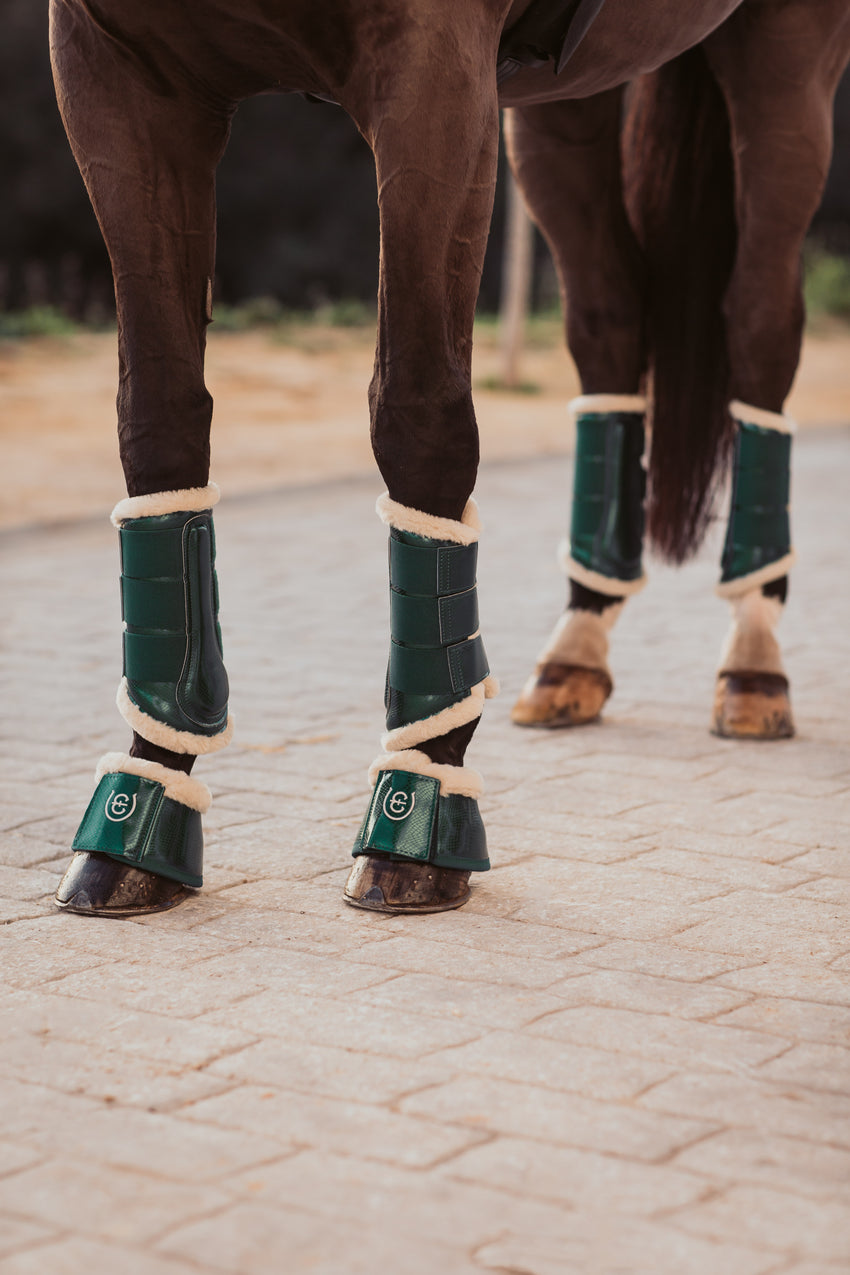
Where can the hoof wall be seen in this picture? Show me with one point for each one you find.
(384, 885)
(95, 885)
(562, 695)
(752, 706)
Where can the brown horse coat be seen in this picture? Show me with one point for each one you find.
(147, 92)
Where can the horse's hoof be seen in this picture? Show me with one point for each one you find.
(562, 695)
(95, 885)
(752, 706)
(388, 885)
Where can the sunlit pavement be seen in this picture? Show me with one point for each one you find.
(628, 1053)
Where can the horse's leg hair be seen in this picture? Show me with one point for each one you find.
(566, 159)
(435, 158)
(148, 151)
(778, 67)
(433, 127)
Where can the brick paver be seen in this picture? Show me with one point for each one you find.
(629, 1053)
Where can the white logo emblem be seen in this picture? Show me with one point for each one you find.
(119, 807)
(398, 805)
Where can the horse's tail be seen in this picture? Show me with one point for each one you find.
(680, 192)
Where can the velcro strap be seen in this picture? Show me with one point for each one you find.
(447, 670)
(154, 657)
(432, 571)
(153, 604)
(152, 554)
(433, 621)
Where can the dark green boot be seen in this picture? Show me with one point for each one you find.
(571, 680)
(139, 847)
(423, 824)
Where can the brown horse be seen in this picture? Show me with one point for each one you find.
(684, 277)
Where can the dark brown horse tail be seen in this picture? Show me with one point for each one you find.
(680, 192)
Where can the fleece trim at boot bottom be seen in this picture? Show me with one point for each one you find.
(164, 736)
(605, 585)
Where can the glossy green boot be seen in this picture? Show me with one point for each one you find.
(604, 554)
(422, 835)
(140, 842)
(140, 848)
(752, 694)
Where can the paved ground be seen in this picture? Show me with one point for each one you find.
(629, 1052)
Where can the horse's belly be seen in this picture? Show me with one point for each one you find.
(626, 40)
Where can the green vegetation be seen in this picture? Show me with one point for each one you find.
(496, 383)
(268, 312)
(38, 320)
(543, 329)
(827, 284)
(827, 293)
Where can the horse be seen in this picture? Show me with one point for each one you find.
(672, 153)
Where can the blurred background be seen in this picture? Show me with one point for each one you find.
(295, 286)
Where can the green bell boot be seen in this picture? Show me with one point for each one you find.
(140, 846)
(144, 817)
(422, 834)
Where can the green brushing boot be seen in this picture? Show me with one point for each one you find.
(139, 847)
(422, 835)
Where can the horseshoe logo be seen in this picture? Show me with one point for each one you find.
(119, 807)
(398, 805)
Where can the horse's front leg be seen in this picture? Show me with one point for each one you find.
(434, 135)
(148, 153)
(566, 157)
(778, 67)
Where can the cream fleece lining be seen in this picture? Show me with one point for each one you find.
(466, 710)
(418, 523)
(453, 779)
(178, 786)
(764, 575)
(594, 579)
(192, 500)
(155, 732)
(591, 404)
(747, 415)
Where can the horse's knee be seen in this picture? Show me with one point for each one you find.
(425, 441)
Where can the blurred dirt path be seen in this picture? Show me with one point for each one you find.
(288, 412)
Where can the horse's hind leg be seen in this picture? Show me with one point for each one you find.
(148, 154)
(778, 67)
(435, 149)
(566, 157)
